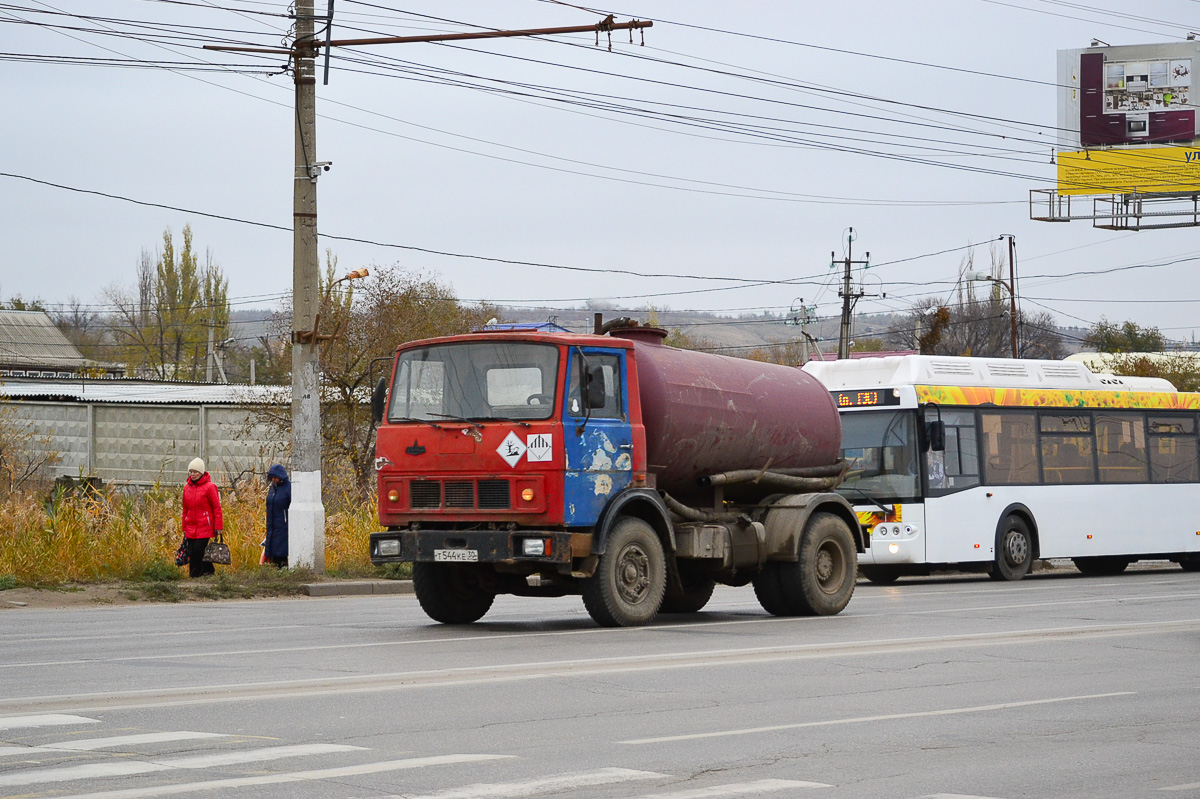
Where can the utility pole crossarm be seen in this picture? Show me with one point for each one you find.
(605, 26)
(600, 27)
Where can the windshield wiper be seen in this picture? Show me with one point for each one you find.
(875, 502)
(521, 422)
(414, 419)
(462, 419)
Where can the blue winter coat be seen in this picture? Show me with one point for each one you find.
(279, 499)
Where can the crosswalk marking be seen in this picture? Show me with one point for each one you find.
(125, 768)
(737, 789)
(295, 776)
(93, 744)
(48, 720)
(561, 782)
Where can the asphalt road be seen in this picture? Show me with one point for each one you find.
(1058, 686)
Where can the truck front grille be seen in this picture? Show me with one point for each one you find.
(460, 494)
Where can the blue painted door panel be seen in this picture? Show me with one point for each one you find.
(599, 446)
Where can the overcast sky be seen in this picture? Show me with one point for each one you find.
(738, 142)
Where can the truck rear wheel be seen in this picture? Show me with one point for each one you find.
(821, 581)
(769, 590)
(451, 592)
(631, 578)
(697, 590)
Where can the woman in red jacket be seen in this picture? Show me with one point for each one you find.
(201, 516)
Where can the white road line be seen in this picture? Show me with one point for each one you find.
(955, 796)
(294, 776)
(49, 720)
(1191, 786)
(93, 744)
(862, 719)
(125, 768)
(737, 789)
(562, 782)
(576, 669)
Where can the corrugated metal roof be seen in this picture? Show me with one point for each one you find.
(30, 338)
(145, 393)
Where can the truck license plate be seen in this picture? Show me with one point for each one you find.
(460, 555)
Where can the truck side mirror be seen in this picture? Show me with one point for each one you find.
(935, 434)
(594, 393)
(378, 398)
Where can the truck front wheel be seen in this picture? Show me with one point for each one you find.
(631, 578)
(821, 581)
(451, 592)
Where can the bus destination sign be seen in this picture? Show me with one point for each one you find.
(865, 399)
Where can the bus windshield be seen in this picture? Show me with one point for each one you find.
(882, 449)
(475, 381)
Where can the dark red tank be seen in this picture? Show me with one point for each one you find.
(708, 413)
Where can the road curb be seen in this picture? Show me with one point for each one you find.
(358, 588)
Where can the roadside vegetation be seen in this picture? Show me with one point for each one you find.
(56, 539)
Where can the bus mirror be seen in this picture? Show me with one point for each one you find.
(594, 387)
(378, 397)
(935, 434)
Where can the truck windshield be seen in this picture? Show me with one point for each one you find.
(475, 381)
(882, 449)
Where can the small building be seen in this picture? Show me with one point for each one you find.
(31, 345)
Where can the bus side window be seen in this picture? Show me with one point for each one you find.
(1121, 448)
(1009, 447)
(1067, 444)
(1173, 452)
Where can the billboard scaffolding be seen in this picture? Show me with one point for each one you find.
(1127, 138)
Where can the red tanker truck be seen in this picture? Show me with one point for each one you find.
(612, 466)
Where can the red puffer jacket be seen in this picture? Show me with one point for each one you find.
(201, 508)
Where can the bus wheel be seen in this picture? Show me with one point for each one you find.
(1101, 566)
(697, 590)
(821, 581)
(631, 578)
(451, 592)
(880, 574)
(1014, 550)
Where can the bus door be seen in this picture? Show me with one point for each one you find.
(598, 440)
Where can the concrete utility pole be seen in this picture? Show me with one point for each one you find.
(306, 518)
(306, 533)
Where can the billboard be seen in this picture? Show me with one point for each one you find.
(1126, 120)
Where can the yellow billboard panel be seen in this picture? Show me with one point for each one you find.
(1144, 170)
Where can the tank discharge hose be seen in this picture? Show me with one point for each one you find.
(816, 478)
(697, 515)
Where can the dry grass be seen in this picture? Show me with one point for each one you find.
(109, 536)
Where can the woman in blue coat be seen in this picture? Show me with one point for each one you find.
(279, 499)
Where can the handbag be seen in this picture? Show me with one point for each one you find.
(181, 554)
(217, 551)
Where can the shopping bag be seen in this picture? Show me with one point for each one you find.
(181, 554)
(217, 551)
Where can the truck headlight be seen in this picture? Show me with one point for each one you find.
(389, 547)
(535, 547)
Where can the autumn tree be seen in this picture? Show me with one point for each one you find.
(164, 324)
(976, 323)
(1104, 336)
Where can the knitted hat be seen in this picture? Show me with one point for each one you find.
(196, 465)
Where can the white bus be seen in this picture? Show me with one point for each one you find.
(990, 464)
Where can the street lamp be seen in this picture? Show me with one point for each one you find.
(988, 278)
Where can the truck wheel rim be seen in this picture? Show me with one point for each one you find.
(633, 575)
(829, 565)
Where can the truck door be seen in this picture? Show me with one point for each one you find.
(598, 439)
